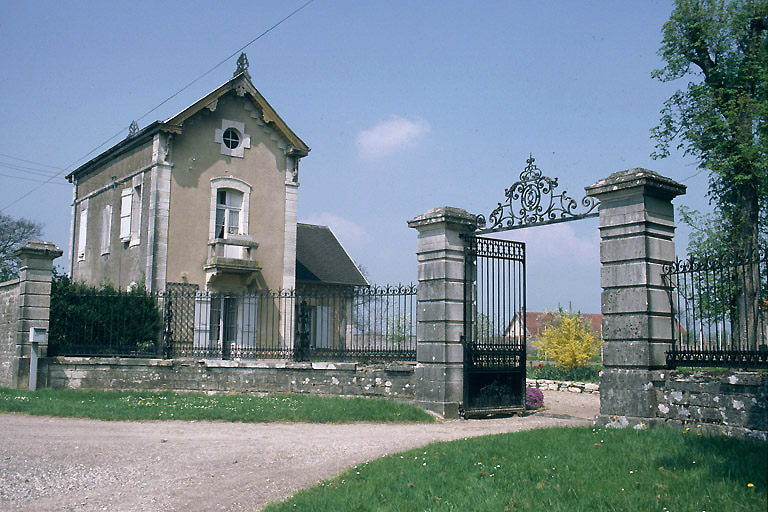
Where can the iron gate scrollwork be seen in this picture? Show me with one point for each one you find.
(494, 326)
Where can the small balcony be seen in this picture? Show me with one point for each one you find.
(236, 253)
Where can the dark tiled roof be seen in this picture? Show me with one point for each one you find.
(320, 258)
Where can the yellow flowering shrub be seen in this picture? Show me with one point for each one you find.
(568, 339)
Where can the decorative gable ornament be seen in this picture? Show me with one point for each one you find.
(242, 65)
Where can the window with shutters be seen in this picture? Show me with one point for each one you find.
(130, 213)
(125, 214)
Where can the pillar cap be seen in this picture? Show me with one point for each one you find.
(38, 248)
(445, 214)
(646, 181)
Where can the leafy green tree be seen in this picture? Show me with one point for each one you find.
(13, 233)
(720, 282)
(721, 118)
(721, 47)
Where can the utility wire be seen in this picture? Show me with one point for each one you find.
(693, 175)
(169, 98)
(31, 179)
(31, 162)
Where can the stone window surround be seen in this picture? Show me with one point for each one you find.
(229, 182)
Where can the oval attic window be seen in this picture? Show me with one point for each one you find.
(231, 138)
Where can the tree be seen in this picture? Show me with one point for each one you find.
(720, 119)
(718, 279)
(13, 233)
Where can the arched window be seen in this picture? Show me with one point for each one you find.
(229, 207)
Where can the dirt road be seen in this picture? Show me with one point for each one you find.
(71, 464)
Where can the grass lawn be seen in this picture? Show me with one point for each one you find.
(563, 469)
(123, 405)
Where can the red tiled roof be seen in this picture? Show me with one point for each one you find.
(535, 322)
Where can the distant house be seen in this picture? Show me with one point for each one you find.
(206, 201)
(536, 322)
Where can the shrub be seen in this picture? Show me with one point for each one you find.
(588, 373)
(86, 320)
(534, 398)
(568, 339)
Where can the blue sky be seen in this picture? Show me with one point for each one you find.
(406, 105)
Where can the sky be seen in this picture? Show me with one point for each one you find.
(406, 106)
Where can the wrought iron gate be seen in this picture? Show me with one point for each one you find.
(494, 326)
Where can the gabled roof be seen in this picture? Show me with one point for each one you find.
(321, 259)
(174, 124)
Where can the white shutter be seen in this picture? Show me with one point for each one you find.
(202, 321)
(82, 230)
(106, 229)
(136, 216)
(125, 214)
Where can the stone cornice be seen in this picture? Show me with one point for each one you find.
(445, 214)
(651, 183)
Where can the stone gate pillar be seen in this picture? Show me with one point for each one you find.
(440, 308)
(35, 273)
(636, 232)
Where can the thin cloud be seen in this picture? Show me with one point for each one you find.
(391, 136)
(349, 234)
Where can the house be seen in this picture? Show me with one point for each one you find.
(206, 201)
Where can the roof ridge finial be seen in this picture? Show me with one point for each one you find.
(133, 129)
(242, 65)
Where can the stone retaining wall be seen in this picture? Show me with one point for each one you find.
(384, 380)
(732, 402)
(556, 385)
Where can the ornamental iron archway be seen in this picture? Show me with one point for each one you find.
(495, 327)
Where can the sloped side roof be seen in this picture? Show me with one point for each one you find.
(174, 124)
(320, 258)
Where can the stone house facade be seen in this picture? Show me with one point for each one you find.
(205, 200)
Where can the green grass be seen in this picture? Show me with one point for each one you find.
(121, 405)
(563, 469)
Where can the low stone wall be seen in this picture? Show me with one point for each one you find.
(733, 403)
(556, 385)
(212, 376)
(9, 316)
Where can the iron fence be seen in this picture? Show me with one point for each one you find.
(720, 311)
(375, 323)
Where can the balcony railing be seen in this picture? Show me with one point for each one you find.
(234, 253)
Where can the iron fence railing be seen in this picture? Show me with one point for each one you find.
(375, 323)
(720, 311)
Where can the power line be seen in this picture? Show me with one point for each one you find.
(32, 179)
(23, 168)
(169, 98)
(30, 162)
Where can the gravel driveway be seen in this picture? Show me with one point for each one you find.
(71, 464)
